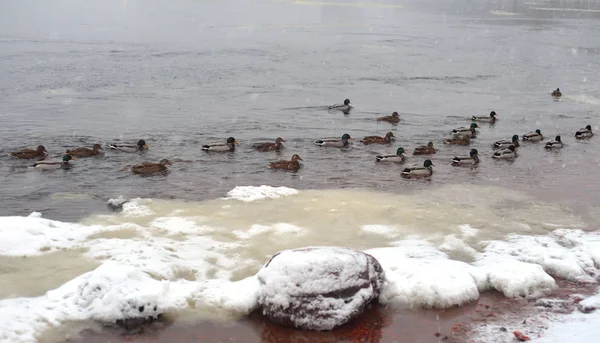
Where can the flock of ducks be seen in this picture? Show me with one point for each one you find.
(506, 149)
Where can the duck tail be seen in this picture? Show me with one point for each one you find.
(205, 147)
(112, 146)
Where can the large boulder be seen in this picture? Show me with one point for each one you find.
(318, 288)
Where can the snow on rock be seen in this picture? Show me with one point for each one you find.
(318, 288)
(590, 304)
(515, 278)
(253, 193)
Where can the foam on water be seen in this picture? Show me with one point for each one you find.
(174, 255)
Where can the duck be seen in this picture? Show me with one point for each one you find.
(472, 159)
(419, 171)
(389, 137)
(555, 144)
(85, 152)
(394, 118)
(507, 153)
(398, 158)
(556, 93)
(491, 119)
(458, 140)
(534, 136)
(141, 145)
(346, 107)
(503, 144)
(146, 168)
(228, 145)
(466, 131)
(338, 143)
(425, 149)
(270, 146)
(293, 164)
(39, 153)
(586, 132)
(53, 165)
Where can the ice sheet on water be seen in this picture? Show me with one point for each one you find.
(253, 193)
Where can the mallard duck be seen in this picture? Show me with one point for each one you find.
(466, 131)
(394, 118)
(269, 146)
(51, 165)
(490, 119)
(398, 158)
(534, 136)
(389, 137)
(293, 164)
(425, 149)
(503, 144)
(346, 107)
(151, 168)
(458, 140)
(40, 153)
(228, 145)
(586, 132)
(507, 153)
(555, 144)
(141, 145)
(556, 93)
(472, 159)
(419, 171)
(338, 143)
(85, 152)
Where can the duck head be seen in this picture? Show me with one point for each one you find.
(279, 140)
(492, 114)
(346, 137)
(395, 115)
(474, 126)
(589, 127)
(515, 138)
(538, 131)
(142, 144)
(165, 162)
(427, 163)
(231, 140)
(400, 151)
(296, 157)
(390, 136)
(430, 145)
(557, 139)
(473, 152)
(347, 102)
(67, 157)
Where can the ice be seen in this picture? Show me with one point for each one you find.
(240, 297)
(279, 230)
(383, 230)
(578, 328)
(515, 278)
(253, 193)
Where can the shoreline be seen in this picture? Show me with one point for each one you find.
(491, 318)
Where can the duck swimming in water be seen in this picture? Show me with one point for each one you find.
(586, 132)
(147, 168)
(555, 144)
(293, 164)
(228, 145)
(508, 153)
(269, 146)
(141, 145)
(389, 137)
(503, 144)
(346, 107)
(466, 131)
(419, 171)
(556, 93)
(337, 143)
(85, 152)
(39, 153)
(458, 140)
(425, 149)
(490, 119)
(534, 136)
(394, 118)
(472, 159)
(53, 165)
(398, 158)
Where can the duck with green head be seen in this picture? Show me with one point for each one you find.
(505, 154)
(346, 107)
(470, 160)
(336, 143)
(419, 171)
(466, 131)
(489, 119)
(127, 147)
(554, 144)
(52, 165)
(425, 149)
(534, 136)
(398, 158)
(228, 145)
(505, 143)
(556, 93)
(586, 132)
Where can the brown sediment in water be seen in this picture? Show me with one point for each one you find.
(493, 318)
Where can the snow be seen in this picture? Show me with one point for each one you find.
(383, 230)
(253, 193)
(578, 328)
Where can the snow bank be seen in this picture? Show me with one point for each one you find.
(253, 193)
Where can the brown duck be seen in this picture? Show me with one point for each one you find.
(293, 164)
(394, 118)
(458, 140)
(85, 152)
(151, 168)
(40, 153)
(269, 146)
(425, 149)
(389, 137)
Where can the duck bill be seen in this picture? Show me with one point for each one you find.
(235, 142)
(73, 158)
(146, 146)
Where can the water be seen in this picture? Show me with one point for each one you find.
(184, 73)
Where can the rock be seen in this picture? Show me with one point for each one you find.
(318, 288)
(521, 337)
